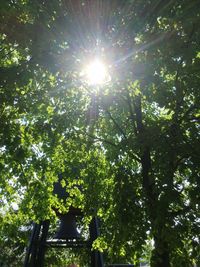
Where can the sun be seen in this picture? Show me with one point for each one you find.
(96, 73)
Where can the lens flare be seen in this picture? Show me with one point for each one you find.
(96, 73)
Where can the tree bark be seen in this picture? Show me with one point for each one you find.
(160, 256)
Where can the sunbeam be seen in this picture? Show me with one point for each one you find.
(95, 73)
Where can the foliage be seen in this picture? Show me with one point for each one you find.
(132, 145)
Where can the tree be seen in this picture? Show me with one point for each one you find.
(134, 141)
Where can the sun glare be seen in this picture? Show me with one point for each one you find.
(96, 73)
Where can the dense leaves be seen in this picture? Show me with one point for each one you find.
(127, 150)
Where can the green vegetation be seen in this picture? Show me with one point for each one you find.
(133, 142)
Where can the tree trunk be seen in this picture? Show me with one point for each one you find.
(160, 256)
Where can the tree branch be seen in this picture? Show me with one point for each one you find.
(94, 137)
(116, 124)
(148, 182)
(131, 113)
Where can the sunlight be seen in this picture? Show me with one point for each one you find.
(96, 73)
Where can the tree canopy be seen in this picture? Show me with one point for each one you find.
(130, 144)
